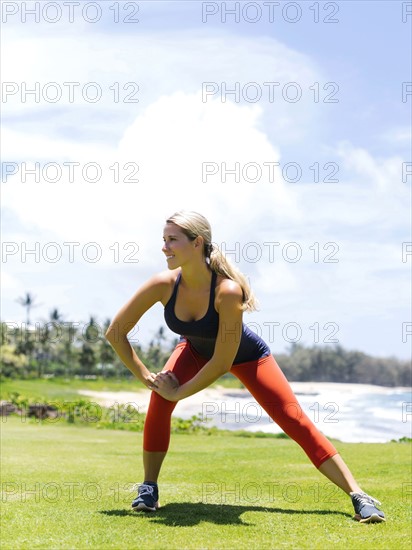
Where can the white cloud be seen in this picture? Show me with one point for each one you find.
(383, 175)
(160, 64)
(168, 142)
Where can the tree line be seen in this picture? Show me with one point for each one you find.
(62, 349)
(66, 351)
(335, 364)
(56, 348)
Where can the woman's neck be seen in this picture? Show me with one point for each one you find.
(196, 276)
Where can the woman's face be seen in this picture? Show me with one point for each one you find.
(177, 247)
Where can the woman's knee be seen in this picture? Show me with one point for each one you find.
(291, 413)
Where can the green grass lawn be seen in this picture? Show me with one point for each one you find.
(69, 487)
(60, 388)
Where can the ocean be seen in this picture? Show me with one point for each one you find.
(347, 412)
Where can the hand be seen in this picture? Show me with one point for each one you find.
(150, 380)
(166, 385)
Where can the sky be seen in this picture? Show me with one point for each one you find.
(287, 124)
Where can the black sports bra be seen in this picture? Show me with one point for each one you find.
(206, 327)
(202, 333)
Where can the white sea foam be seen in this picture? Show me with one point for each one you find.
(348, 412)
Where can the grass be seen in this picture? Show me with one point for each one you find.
(68, 487)
(60, 388)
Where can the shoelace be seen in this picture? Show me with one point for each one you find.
(365, 499)
(142, 488)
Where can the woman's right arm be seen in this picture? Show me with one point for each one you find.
(154, 290)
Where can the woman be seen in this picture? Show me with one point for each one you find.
(204, 298)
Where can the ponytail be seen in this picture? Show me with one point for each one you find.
(222, 266)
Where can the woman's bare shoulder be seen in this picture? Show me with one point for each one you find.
(164, 281)
(165, 277)
(226, 287)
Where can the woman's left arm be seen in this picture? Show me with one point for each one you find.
(226, 347)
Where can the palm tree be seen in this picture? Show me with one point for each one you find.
(28, 346)
(55, 315)
(92, 330)
(70, 337)
(28, 303)
(54, 351)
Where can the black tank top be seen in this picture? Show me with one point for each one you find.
(202, 333)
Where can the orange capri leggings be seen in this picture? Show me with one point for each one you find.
(264, 380)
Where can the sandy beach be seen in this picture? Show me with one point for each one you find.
(194, 403)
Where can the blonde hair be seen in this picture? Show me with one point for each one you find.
(194, 224)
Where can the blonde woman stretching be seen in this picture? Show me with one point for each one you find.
(204, 297)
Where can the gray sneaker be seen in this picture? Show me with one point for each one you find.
(365, 509)
(147, 497)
